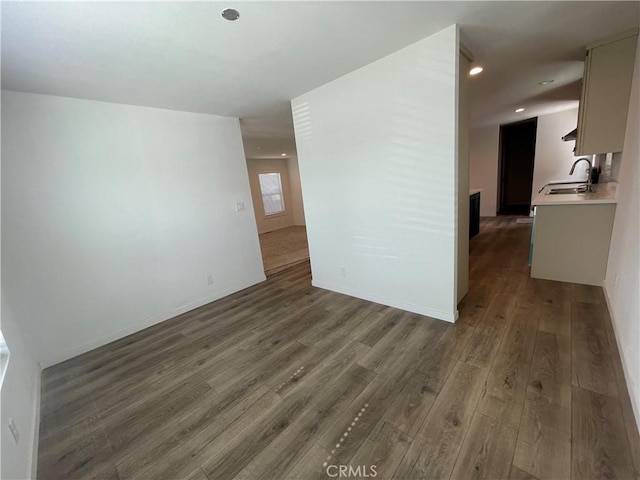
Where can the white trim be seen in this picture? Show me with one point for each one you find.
(632, 393)
(5, 355)
(141, 325)
(36, 425)
(613, 38)
(409, 307)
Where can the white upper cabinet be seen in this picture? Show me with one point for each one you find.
(604, 102)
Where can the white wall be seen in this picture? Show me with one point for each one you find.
(271, 165)
(554, 157)
(462, 169)
(483, 166)
(622, 283)
(113, 216)
(377, 154)
(20, 399)
(296, 191)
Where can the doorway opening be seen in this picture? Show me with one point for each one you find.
(516, 159)
(276, 190)
(277, 203)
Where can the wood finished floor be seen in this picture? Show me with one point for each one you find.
(276, 380)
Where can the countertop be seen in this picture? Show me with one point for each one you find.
(605, 193)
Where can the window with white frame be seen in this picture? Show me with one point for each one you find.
(271, 188)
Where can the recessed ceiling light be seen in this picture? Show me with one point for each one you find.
(230, 14)
(518, 110)
(545, 82)
(283, 154)
(475, 70)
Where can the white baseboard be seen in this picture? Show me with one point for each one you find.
(148, 322)
(409, 307)
(635, 396)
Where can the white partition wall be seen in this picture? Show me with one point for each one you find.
(622, 283)
(377, 154)
(463, 178)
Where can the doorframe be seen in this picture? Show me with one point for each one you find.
(501, 160)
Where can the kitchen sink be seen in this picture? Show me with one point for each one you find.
(568, 191)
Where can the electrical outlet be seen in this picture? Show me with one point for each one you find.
(209, 279)
(14, 431)
(343, 272)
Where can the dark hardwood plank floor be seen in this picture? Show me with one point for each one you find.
(283, 380)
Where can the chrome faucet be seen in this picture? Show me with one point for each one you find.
(589, 168)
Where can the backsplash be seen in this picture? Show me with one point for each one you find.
(616, 160)
(610, 166)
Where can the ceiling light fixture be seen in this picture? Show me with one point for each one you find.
(283, 154)
(230, 14)
(518, 110)
(475, 70)
(545, 82)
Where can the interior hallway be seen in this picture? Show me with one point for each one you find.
(276, 380)
(283, 248)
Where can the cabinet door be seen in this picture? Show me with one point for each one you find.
(605, 97)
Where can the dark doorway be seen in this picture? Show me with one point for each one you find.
(517, 152)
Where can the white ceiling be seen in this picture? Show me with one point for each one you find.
(184, 56)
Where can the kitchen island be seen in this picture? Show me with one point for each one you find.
(572, 233)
